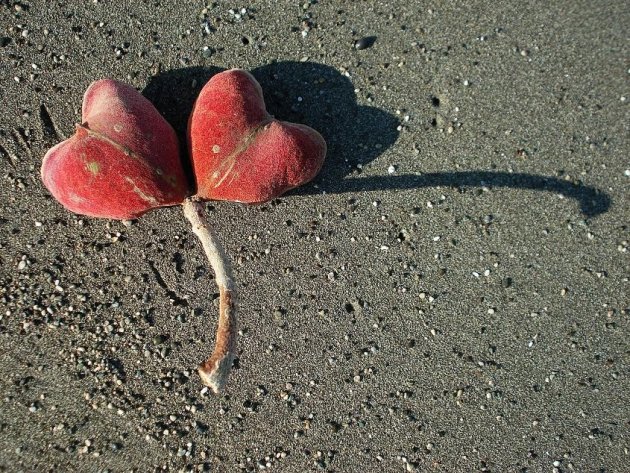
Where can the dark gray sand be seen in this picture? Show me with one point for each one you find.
(450, 294)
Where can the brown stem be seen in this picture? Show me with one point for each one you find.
(215, 370)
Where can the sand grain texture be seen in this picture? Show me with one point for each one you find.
(449, 294)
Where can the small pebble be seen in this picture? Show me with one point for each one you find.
(364, 43)
(207, 52)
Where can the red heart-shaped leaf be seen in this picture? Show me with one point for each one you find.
(122, 161)
(241, 153)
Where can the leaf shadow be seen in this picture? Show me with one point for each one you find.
(321, 97)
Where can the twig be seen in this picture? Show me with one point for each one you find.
(215, 370)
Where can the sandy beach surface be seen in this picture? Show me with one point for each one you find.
(450, 294)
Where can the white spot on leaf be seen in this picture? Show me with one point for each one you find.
(147, 198)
